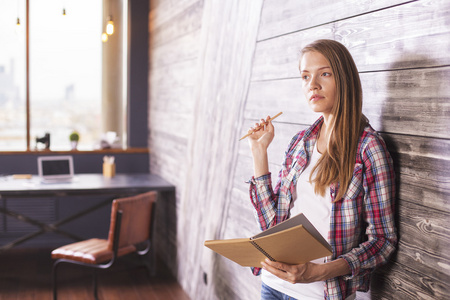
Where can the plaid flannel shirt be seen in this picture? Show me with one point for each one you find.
(362, 229)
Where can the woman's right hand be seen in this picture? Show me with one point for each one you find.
(262, 135)
(260, 139)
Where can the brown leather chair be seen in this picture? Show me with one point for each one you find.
(130, 227)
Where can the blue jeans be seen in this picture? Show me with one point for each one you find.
(268, 293)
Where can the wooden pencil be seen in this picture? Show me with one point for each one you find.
(277, 115)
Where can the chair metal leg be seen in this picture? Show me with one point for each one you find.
(55, 287)
(144, 261)
(94, 277)
(148, 259)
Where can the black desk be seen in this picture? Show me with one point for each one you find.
(83, 184)
(121, 185)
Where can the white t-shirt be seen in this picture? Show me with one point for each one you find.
(318, 210)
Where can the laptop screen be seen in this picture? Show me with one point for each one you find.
(55, 167)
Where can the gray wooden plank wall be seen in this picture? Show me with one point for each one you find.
(218, 66)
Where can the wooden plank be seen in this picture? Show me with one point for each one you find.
(169, 144)
(404, 282)
(416, 191)
(165, 166)
(418, 146)
(174, 94)
(176, 100)
(183, 23)
(424, 240)
(165, 123)
(433, 172)
(421, 164)
(240, 225)
(424, 175)
(407, 36)
(413, 102)
(235, 282)
(244, 172)
(420, 39)
(421, 180)
(296, 15)
(279, 57)
(173, 86)
(176, 51)
(180, 73)
(164, 11)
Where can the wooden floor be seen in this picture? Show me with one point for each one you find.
(26, 274)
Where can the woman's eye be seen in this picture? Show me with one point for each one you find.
(305, 77)
(326, 74)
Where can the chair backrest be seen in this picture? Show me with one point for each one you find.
(136, 219)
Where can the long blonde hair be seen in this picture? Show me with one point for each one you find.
(337, 163)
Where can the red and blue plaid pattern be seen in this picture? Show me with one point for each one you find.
(362, 229)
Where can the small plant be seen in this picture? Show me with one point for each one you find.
(74, 137)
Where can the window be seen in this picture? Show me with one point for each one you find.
(12, 77)
(65, 73)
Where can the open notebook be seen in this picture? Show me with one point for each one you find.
(293, 241)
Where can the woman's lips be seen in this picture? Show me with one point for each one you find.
(315, 97)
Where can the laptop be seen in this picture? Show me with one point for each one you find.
(55, 169)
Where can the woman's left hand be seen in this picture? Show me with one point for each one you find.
(302, 273)
(308, 272)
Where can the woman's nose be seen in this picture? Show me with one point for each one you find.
(314, 84)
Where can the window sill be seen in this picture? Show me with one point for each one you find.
(102, 151)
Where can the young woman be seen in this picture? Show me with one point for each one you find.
(337, 172)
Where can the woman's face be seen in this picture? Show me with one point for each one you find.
(318, 82)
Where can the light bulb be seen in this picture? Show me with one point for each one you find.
(18, 27)
(104, 37)
(110, 26)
